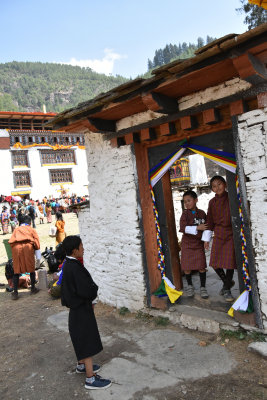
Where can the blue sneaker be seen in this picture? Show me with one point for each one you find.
(96, 382)
(80, 369)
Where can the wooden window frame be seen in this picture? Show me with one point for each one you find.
(49, 157)
(19, 153)
(16, 174)
(62, 172)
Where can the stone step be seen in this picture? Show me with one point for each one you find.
(196, 318)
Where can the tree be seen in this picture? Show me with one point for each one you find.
(200, 42)
(255, 15)
(149, 65)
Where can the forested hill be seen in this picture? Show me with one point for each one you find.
(173, 52)
(27, 86)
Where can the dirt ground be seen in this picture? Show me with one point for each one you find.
(38, 362)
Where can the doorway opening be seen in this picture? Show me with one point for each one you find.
(194, 172)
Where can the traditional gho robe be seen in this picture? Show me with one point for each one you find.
(78, 290)
(219, 221)
(192, 248)
(24, 241)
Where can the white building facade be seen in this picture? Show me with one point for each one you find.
(42, 163)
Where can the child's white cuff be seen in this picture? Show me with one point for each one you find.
(206, 236)
(192, 230)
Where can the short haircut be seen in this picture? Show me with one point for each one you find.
(217, 178)
(26, 219)
(190, 193)
(71, 243)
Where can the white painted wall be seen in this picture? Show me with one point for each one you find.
(6, 176)
(252, 130)
(110, 228)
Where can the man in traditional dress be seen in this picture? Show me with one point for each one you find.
(24, 241)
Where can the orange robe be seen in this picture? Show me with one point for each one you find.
(60, 235)
(24, 241)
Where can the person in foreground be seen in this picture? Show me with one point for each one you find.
(24, 241)
(78, 290)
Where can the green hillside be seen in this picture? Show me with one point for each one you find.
(27, 86)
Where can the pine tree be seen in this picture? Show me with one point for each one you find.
(200, 42)
(255, 15)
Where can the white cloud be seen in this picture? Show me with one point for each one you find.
(103, 66)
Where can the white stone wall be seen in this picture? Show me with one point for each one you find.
(110, 228)
(252, 129)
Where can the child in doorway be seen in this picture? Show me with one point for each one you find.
(192, 224)
(78, 291)
(219, 221)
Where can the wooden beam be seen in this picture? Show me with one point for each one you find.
(114, 142)
(237, 107)
(160, 103)
(144, 134)
(188, 122)
(164, 129)
(129, 138)
(172, 236)
(103, 125)
(211, 116)
(262, 100)
(250, 68)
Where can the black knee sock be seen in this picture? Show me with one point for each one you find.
(202, 276)
(229, 278)
(32, 276)
(188, 279)
(16, 282)
(220, 272)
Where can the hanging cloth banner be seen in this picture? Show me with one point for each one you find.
(222, 158)
(228, 162)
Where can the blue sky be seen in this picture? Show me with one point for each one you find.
(110, 36)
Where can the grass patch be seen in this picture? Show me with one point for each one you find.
(242, 334)
(124, 311)
(143, 316)
(227, 334)
(257, 336)
(161, 321)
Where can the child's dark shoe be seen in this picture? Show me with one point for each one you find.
(228, 296)
(96, 382)
(203, 293)
(14, 296)
(223, 288)
(190, 291)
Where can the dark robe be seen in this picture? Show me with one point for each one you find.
(219, 221)
(78, 290)
(192, 248)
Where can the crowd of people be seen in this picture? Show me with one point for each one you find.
(12, 211)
